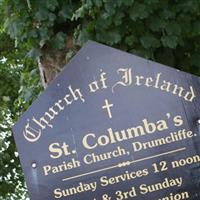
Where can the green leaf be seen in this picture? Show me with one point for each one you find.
(34, 53)
(130, 40)
(42, 14)
(170, 41)
(52, 4)
(32, 33)
(59, 41)
(118, 19)
(44, 33)
(79, 13)
(116, 37)
(196, 28)
(6, 98)
(83, 37)
(66, 12)
(128, 2)
(13, 27)
(52, 17)
(173, 28)
(168, 14)
(98, 3)
(195, 60)
(156, 23)
(110, 7)
(27, 95)
(110, 37)
(138, 11)
(149, 41)
(1, 144)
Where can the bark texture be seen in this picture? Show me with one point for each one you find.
(52, 62)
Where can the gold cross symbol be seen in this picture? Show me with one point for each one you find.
(108, 107)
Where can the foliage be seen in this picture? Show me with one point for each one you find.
(18, 87)
(154, 29)
(167, 31)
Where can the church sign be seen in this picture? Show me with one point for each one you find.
(113, 126)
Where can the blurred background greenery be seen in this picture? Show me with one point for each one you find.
(38, 37)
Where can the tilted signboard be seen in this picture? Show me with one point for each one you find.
(113, 126)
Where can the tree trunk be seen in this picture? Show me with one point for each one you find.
(52, 62)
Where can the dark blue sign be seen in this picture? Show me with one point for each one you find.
(113, 126)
